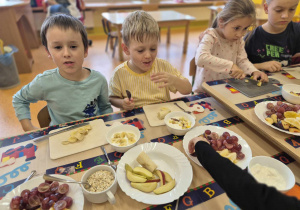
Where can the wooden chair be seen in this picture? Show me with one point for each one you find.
(44, 117)
(192, 70)
(110, 35)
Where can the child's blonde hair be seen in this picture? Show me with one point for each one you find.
(235, 9)
(139, 25)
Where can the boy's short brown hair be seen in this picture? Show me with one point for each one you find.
(65, 22)
(137, 25)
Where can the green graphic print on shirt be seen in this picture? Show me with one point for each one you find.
(276, 53)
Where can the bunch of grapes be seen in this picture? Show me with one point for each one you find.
(225, 141)
(280, 108)
(46, 195)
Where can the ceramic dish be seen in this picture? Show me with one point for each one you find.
(219, 130)
(260, 111)
(168, 159)
(75, 192)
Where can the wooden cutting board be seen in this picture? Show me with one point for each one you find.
(95, 138)
(152, 110)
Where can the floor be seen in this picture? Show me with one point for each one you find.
(99, 60)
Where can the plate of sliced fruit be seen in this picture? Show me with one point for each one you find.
(226, 142)
(280, 115)
(38, 194)
(154, 173)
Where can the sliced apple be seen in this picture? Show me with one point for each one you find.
(161, 176)
(165, 188)
(146, 162)
(145, 187)
(142, 171)
(128, 167)
(168, 177)
(135, 177)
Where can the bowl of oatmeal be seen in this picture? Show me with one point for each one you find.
(103, 184)
(123, 137)
(291, 93)
(272, 172)
(179, 123)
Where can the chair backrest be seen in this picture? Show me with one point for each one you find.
(105, 25)
(44, 117)
(193, 67)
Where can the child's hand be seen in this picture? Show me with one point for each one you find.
(271, 66)
(194, 141)
(236, 72)
(128, 104)
(258, 74)
(27, 125)
(163, 77)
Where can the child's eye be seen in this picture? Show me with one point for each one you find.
(153, 49)
(278, 10)
(292, 10)
(236, 28)
(57, 47)
(140, 51)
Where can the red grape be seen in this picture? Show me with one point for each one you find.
(59, 205)
(281, 110)
(51, 203)
(227, 145)
(34, 201)
(219, 143)
(54, 186)
(43, 187)
(270, 106)
(63, 189)
(15, 202)
(69, 201)
(45, 203)
(240, 155)
(25, 191)
(207, 132)
(214, 135)
(54, 197)
(225, 134)
(268, 113)
(25, 197)
(234, 139)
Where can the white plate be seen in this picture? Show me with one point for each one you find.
(219, 130)
(260, 111)
(75, 192)
(168, 159)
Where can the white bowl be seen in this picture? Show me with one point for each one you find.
(103, 196)
(179, 132)
(281, 168)
(286, 89)
(123, 128)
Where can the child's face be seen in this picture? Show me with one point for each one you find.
(65, 48)
(280, 13)
(142, 54)
(236, 29)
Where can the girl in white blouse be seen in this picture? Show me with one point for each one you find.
(221, 53)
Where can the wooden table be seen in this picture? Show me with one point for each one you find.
(163, 18)
(204, 193)
(17, 28)
(243, 107)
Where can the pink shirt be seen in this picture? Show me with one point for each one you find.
(215, 57)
